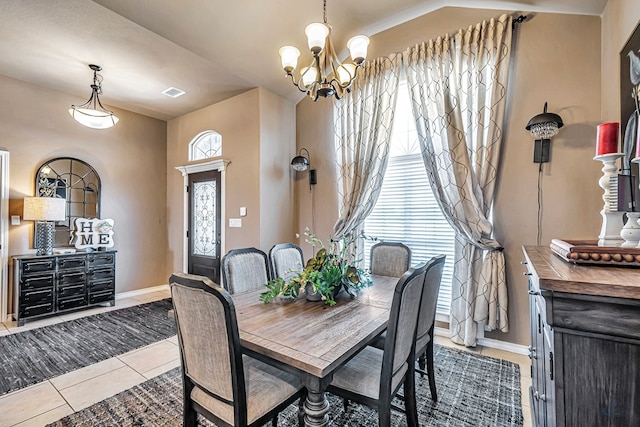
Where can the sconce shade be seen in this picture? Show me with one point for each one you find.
(544, 125)
(44, 209)
(300, 163)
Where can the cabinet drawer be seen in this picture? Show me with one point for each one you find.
(38, 265)
(71, 277)
(101, 285)
(78, 262)
(101, 297)
(71, 291)
(35, 310)
(96, 260)
(37, 296)
(36, 282)
(71, 303)
(102, 274)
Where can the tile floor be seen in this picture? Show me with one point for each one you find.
(53, 399)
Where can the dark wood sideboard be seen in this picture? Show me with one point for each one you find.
(585, 342)
(50, 284)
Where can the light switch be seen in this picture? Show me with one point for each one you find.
(15, 219)
(243, 211)
(235, 222)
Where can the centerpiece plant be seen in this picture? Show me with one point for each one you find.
(330, 271)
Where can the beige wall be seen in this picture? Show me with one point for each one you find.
(619, 19)
(130, 159)
(556, 59)
(257, 140)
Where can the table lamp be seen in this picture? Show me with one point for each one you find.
(44, 210)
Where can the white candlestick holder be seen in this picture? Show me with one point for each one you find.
(611, 219)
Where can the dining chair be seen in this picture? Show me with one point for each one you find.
(220, 382)
(286, 260)
(426, 322)
(244, 270)
(373, 376)
(389, 259)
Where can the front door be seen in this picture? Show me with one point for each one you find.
(204, 224)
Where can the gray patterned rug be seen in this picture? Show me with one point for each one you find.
(473, 391)
(35, 355)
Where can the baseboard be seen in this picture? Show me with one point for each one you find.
(492, 343)
(123, 295)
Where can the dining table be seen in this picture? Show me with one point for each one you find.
(312, 339)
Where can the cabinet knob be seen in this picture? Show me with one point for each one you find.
(524, 262)
(532, 292)
(526, 273)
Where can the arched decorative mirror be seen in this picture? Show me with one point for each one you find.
(76, 182)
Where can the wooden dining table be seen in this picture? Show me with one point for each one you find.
(313, 339)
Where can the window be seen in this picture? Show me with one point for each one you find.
(406, 210)
(205, 145)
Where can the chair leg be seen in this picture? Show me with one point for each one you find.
(430, 373)
(422, 361)
(410, 405)
(301, 410)
(345, 403)
(190, 416)
(274, 421)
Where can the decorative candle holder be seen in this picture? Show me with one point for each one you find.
(631, 231)
(611, 219)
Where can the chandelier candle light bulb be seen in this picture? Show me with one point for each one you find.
(607, 138)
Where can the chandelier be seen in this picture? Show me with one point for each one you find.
(92, 114)
(326, 75)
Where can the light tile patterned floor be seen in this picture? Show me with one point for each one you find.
(51, 400)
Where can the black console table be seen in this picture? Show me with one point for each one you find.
(50, 284)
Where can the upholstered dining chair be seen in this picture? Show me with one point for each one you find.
(220, 382)
(244, 269)
(389, 259)
(426, 322)
(373, 376)
(286, 260)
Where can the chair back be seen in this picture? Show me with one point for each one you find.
(286, 260)
(427, 316)
(209, 340)
(399, 349)
(244, 270)
(389, 259)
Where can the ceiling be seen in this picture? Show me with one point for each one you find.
(212, 49)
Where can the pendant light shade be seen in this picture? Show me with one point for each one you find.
(92, 114)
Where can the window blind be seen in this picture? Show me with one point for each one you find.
(407, 211)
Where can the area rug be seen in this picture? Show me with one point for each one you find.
(473, 391)
(36, 355)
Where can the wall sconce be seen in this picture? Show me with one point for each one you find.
(44, 210)
(301, 163)
(543, 127)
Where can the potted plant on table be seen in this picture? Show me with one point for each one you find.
(332, 270)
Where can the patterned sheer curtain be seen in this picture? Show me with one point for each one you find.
(363, 120)
(458, 87)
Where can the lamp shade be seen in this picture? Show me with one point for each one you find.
(316, 36)
(95, 119)
(44, 209)
(300, 163)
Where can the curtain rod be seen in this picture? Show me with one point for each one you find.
(520, 19)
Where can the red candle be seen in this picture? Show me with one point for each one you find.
(607, 138)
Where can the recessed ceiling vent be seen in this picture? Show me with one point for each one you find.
(173, 92)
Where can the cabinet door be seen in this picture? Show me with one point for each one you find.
(538, 407)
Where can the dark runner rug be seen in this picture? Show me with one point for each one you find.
(473, 391)
(36, 355)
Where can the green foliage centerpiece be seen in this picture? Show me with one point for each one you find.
(332, 270)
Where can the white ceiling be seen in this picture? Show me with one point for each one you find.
(212, 49)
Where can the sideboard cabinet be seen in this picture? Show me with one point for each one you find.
(585, 342)
(50, 284)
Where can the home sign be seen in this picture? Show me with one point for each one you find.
(94, 233)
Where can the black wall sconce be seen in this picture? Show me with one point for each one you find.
(301, 163)
(543, 127)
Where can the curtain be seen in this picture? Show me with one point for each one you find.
(458, 88)
(363, 120)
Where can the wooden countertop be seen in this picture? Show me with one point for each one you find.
(555, 274)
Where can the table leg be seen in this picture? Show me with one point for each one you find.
(316, 408)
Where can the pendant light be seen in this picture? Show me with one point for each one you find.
(92, 114)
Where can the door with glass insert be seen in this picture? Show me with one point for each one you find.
(204, 224)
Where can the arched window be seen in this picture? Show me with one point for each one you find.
(205, 145)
